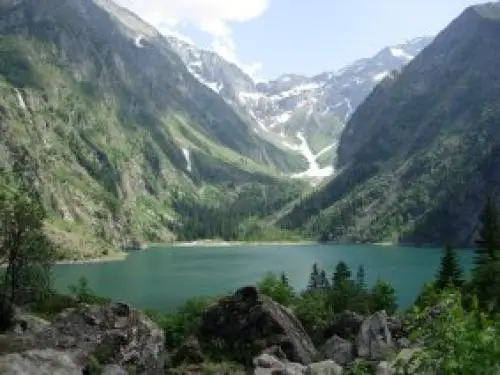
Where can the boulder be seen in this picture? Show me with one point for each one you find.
(15, 343)
(324, 368)
(384, 368)
(403, 343)
(346, 325)
(275, 351)
(249, 320)
(39, 362)
(339, 350)
(266, 364)
(114, 370)
(28, 324)
(374, 341)
(396, 327)
(267, 361)
(111, 334)
(189, 353)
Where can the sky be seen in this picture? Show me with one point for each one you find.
(267, 38)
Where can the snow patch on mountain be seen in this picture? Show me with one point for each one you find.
(187, 156)
(20, 99)
(319, 104)
(350, 109)
(297, 90)
(138, 41)
(314, 169)
(380, 76)
(214, 86)
(281, 119)
(398, 52)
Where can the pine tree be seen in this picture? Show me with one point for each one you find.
(450, 272)
(323, 282)
(489, 235)
(341, 275)
(360, 278)
(284, 279)
(486, 276)
(314, 278)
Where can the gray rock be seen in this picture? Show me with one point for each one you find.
(267, 361)
(324, 368)
(291, 369)
(114, 370)
(396, 327)
(276, 352)
(403, 343)
(374, 341)
(339, 350)
(39, 362)
(29, 324)
(113, 334)
(247, 318)
(188, 353)
(384, 368)
(346, 326)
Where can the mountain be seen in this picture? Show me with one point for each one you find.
(419, 156)
(122, 140)
(300, 113)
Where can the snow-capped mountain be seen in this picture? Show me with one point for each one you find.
(301, 113)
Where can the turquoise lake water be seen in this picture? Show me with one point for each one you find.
(163, 278)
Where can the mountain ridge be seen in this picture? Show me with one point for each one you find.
(123, 139)
(305, 114)
(417, 158)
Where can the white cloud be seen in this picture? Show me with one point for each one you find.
(210, 16)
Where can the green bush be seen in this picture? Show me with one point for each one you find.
(182, 324)
(277, 288)
(457, 341)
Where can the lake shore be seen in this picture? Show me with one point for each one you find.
(218, 243)
(115, 257)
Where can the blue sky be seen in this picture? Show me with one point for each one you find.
(271, 37)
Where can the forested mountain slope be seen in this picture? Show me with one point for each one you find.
(419, 156)
(120, 137)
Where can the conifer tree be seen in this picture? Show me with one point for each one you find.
(486, 275)
(314, 278)
(360, 278)
(341, 275)
(488, 244)
(450, 273)
(323, 280)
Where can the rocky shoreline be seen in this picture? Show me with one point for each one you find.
(247, 328)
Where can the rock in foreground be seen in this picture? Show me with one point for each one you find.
(250, 320)
(86, 336)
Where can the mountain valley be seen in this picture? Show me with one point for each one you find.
(295, 112)
(130, 135)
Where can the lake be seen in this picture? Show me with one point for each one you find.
(163, 278)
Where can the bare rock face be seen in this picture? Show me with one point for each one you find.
(27, 323)
(339, 350)
(189, 352)
(248, 319)
(39, 362)
(346, 326)
(374, 341)
(111, 334)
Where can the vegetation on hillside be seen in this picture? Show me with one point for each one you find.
(419, 155)
(456, 319)
(114, 145)
(25, 250)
